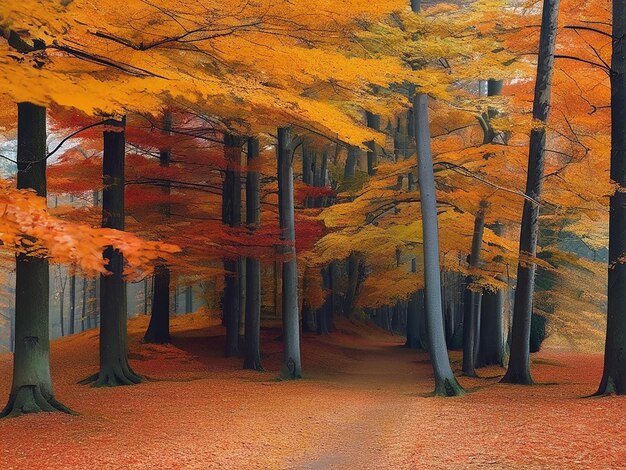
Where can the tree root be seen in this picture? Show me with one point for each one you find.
(29, 399)
(448, 388)
(518, 378)
(113, 376)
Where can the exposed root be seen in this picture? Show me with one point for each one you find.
(113, 376)
(518, 378)
(448, 388)
(254, 364)
(29, 399)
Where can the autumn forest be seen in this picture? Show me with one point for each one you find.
(312, 234)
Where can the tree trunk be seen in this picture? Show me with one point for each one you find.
(415, 313)
(252, 350)
(352, 160)
(471, 320)
(291, 367)
(614, 375)
(519, 361)
(62, 307)
(491, 347)
(158, 331)
(373, 122)
(72, 303)
(31, 389)
(83, 307)
(231, 216)
(114, 367)
(445, 382)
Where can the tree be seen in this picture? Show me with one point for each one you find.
(114, 367)
(31, 389)
(291, 367)
(519, 363)
(159, 327)
(231, 216)
(252, 350)
(614, 374)
(445, 382)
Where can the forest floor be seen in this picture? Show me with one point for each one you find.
(362, 405)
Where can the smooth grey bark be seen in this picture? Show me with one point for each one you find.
(231, 216)
(291, 367)
(445, 382)
(252, 339)
(158, 331)
(31, 389)
(471, 317)
(614, 374)
(114, 367)
(519, 362)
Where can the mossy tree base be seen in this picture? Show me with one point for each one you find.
(29, 399)
(448, 388)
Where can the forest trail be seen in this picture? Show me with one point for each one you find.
(362, 404)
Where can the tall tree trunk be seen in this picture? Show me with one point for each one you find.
(62, 306)
(373, 122)
(291, 367)
(158, 331)
(445, 382)
(31, 389)
(491, 347)
(471, 321)
(252, 350)
(231, 216)
(414, 332)
(355, 268)
(614, 375)
(114, 367)
(83, 307)
(72, 303)
(519, 361)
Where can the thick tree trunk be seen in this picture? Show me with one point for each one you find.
(158, 331)
(114, 367)
(471, 320)
(354, 265)
(445, 382)
(491, 348)
(291, 367)
(31, 390)
(519, 361)
(252, 350)
(614, 375)
(231, 216)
